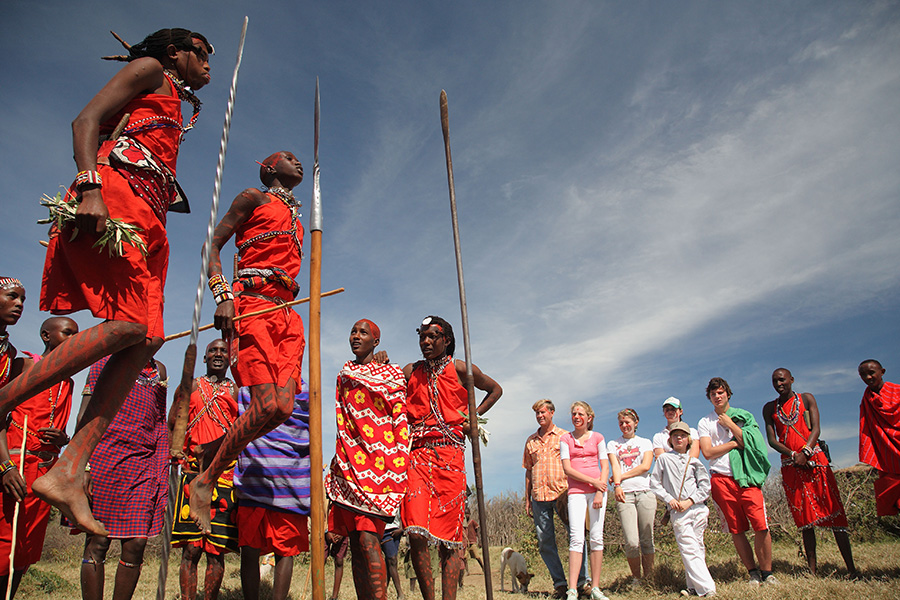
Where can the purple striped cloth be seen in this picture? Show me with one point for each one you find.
(273, 471)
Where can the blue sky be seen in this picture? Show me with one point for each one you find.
(650, 194)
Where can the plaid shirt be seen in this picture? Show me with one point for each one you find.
(548, 480)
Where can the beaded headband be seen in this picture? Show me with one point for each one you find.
(10, 282)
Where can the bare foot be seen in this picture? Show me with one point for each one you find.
(200, 498)
(68, 496)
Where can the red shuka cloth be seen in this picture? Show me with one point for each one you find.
(271, 345)
(812, 491)
(879, 443)
(129, 288)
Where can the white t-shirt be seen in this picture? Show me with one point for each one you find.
(661, 439)
(718, 435)
(630, 454)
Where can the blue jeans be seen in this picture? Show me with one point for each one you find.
(546, 538)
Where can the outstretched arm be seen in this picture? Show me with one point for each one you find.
(482, 382)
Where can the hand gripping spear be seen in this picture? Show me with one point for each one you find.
(470, 381)
(317, 485)
(182, 400)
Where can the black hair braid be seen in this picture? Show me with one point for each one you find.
(155, 44)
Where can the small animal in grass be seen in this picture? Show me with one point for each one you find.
(519, 571)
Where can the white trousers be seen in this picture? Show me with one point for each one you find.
(689, 527)
(579, 504)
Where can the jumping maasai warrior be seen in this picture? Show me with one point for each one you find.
(434, 509)
(128, 480)
(48, 414)
(879, 435)
(268, 236)
(367, 480)
(272, 482)
(213, 410)
(131, 178)
(792, 429)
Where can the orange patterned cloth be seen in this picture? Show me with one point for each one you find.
(812, 491)
(548, 480)
(368, 472)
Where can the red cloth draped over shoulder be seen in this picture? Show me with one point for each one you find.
(270, 346)
(129, 288)
(879, 428)
(452, 394)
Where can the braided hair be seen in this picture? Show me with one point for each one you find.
(155, 44)
(446, 329)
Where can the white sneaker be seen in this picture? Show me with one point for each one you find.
(596, 594)
(770, 580)
(634, 584)
(755, 579)
(571, 594)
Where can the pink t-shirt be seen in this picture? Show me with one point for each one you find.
(585, 458)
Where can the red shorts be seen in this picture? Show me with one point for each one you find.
(742, 507)
(129, 288)
(887, 494)
(284, 533)
(342, 521)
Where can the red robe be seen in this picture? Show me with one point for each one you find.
(435, 504)
(33, 513)
(129, 288)
(271, 345)
(879, 443)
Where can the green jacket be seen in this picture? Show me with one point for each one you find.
(750, 465)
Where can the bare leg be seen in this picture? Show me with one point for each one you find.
(421, 559)
(809, 547)
(250, 573)
(634, 563)
(92, 571)
(129, 570)
(338, 576)
(187, 573)
(596, 566)
(647, 563)
(451, 566)
(215, 572)
(284, 570)
(270, 406)
(369, 571)
(843, 543)
(745, 552)
(762, 542)
(62, 485)
(394, 574)
(574, 568)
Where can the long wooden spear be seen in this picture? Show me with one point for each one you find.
(182, 399)
(317, 485)
(470, 380)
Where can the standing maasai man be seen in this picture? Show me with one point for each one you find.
(879, 435)
(213, 410)
(48, 414)
(792, 429)
(131, 178)
(269, 236)
(367, 480)
(271, 481)
(12, 301)
(434, 508)
(129, 472)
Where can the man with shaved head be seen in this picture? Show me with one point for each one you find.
(48, 414)
(269, 237)
(879, 435)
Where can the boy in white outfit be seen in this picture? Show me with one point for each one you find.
(681, 481)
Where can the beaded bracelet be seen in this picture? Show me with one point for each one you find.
(88, 178)
(6, 465)
(807, 451)
(220, 288)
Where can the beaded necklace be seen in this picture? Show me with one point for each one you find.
(5, 359)
(791, 418)
(287, 198)
(186, 95)
(210, 401)
(53, 403)
(433, 370)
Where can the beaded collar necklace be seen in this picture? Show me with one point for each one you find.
(285, 195)
(186, 95)
(5, 358)
(792, 417)
(53, 403)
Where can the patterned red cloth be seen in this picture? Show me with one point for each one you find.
(271, 345)
(129, 288)
(879, 428)
(435, 504)
(130, 465)
(33, 513)
(812, 491)
(368, 471)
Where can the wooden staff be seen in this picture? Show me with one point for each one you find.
(15, 521)
(182, 400)
(470, 380)
(317, 485)
(256, 313)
